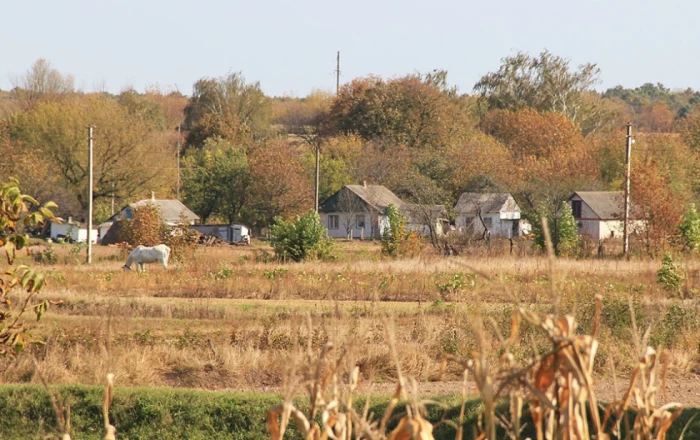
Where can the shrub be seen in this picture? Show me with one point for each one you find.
(47, 256)
(147, 228)
(301, 239)
(689, 229)
(397, 240)
(670, 276)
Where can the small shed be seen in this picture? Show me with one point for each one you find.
(232, 233)
(72, 231)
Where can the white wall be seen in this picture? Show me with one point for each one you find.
(373, 227)
(501, 223)
(75, 232)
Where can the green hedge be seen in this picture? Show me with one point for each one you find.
(173, 413)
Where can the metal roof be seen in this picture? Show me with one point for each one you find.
(170, 210)
(487, 202)
(607, 205)
(376, 197)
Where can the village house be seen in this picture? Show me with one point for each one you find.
(358, 211)
(172, 211)
(497, 212)
(599, 214)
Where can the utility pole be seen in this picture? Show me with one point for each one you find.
(318, 171)
(178, 161)
(89, 218)
(337, 74)
(625, 232)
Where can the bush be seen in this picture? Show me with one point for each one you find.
(397, 241)
(689, 230)
(670, 276)
(47, 256)
(301, 239)
(147, 228)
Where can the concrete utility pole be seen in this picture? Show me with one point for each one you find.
(89, 217)
(625, 232)
(337, 74)
(178, 161)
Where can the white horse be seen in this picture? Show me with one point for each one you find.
(144, 254)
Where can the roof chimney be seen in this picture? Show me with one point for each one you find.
(364, 184)
(153, 196)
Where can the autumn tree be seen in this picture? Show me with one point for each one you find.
(130, 155)
(216, 180)
(413, 111)
(40, 82)
(227, 107)
(654, 202)
(544, 83)
(279, 185)
(549, 158)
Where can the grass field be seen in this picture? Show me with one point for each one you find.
(226, 321)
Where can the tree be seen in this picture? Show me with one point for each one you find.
(689, 229)
(544, 83)
(562, 229)
(279, 186)
(130, 155)
(226, 107)
(216, 180)
(40, 82)
(654, 202)
(18, 213)
(415, 111)
(301, 239)
(397, 240)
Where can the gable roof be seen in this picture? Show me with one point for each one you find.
(375, 197)
(418, 214)
(488, 202)
(170, 209)
(607, 205)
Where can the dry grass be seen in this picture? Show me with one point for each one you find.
(225, 321)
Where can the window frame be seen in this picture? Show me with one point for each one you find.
(333, 221)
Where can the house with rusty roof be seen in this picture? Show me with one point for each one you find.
(599, 214)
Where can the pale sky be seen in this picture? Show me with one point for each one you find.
(290, 46)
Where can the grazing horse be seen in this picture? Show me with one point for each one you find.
(144, 254)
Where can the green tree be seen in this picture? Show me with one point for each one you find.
(397, 240)
(18, 213)
(228, 108)
(689, 229)
(545, 83)
(562, 228)
(216, 180)
(301, 239)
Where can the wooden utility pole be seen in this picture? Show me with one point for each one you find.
(318, 172)
(178, 161)
(89, 216)
(337, 74)
(625, 232)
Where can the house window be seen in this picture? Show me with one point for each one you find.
(576, 208)
(333, 221)
(487, 222)
(468, 221)
(360, 221)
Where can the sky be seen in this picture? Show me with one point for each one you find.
(290, 46)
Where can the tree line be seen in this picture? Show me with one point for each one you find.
(536, 127)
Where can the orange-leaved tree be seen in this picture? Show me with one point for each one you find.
(18, 214)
